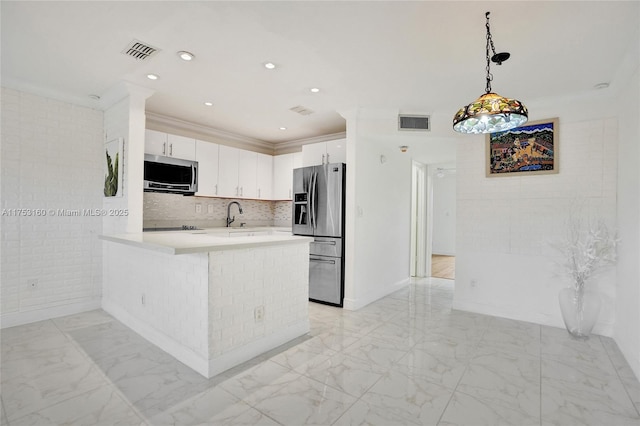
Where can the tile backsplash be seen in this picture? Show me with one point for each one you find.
(171, 210)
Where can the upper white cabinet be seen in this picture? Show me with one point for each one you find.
(283, 166)
(237, 173)
(264, 179)
(247, 174)
(160, 143)
(324, 152)
(207, 158)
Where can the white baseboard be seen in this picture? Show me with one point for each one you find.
(355, 304)
(13, 319)
(244, 353)
(182, 353)
(601, 329)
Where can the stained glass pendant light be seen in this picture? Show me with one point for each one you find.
(491, 112)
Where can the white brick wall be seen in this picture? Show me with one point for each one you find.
(174, 289)
(204, 303)
(505, 225)
(50, 160)
(275, 278)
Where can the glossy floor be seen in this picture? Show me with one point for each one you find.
(406, 359)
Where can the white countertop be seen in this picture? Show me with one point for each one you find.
(212, 239)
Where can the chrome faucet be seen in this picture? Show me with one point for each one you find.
(230, 219)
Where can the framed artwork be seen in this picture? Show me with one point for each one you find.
(114, 152)
(525, 150)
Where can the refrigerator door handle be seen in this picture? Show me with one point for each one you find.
(313, 185)
(331, 243)
(312, 259)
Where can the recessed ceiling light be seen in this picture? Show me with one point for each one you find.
(95, 97)
(269, 65)
(208, 103)
(152, 77)
(283, 128)
(314, 90)
(601, 86)
(186, 56)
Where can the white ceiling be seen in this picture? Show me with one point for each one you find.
(423, 57)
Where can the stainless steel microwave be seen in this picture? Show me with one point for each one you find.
(168, 174)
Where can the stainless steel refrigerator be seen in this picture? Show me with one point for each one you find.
(318, 211)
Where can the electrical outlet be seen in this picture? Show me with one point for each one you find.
(32, 283)
(210, 208)
(258, 313)
(198, 208)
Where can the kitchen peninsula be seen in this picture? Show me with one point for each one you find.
(211, 298)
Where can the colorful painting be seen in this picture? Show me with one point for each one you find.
(113, 168)
(528, 149)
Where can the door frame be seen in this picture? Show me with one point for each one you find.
(421, 220)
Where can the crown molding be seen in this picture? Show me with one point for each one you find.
(296, 145)
(165, 123)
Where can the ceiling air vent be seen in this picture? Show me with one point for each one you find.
(139, 50)
(414, 122)
(301, 110)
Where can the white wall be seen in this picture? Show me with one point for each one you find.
(378, 225)
(627, 328)
(52, 165)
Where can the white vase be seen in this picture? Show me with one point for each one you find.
(580, 311)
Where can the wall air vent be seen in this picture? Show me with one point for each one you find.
(301, 110)
(139, 50)
(414, 122)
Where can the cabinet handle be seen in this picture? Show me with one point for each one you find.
(258, 192)
(164, 148)
(327, 158)
(241, 191)
(322, 158)
(216, 189)
(237, 191)
(171, 149)
(290, 193)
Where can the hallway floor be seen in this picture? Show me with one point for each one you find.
(406, 359)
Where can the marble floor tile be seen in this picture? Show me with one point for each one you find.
(100, 406)
(504, 379)
(258, 382)
(211, 406)
(305, 402)
(406, 359)
(380, 352)
(83, 320)
(399, 399)
(465, 410)
(345, 373)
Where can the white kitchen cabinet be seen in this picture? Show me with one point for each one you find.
(283, 166)
(237, 173)
(324, 152)
(207, 158)
(168, 145)
(228, 172)
(247, 174)
(264, 179)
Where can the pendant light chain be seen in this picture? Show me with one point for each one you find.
(493, 49)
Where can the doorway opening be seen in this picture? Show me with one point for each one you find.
(433, 204)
